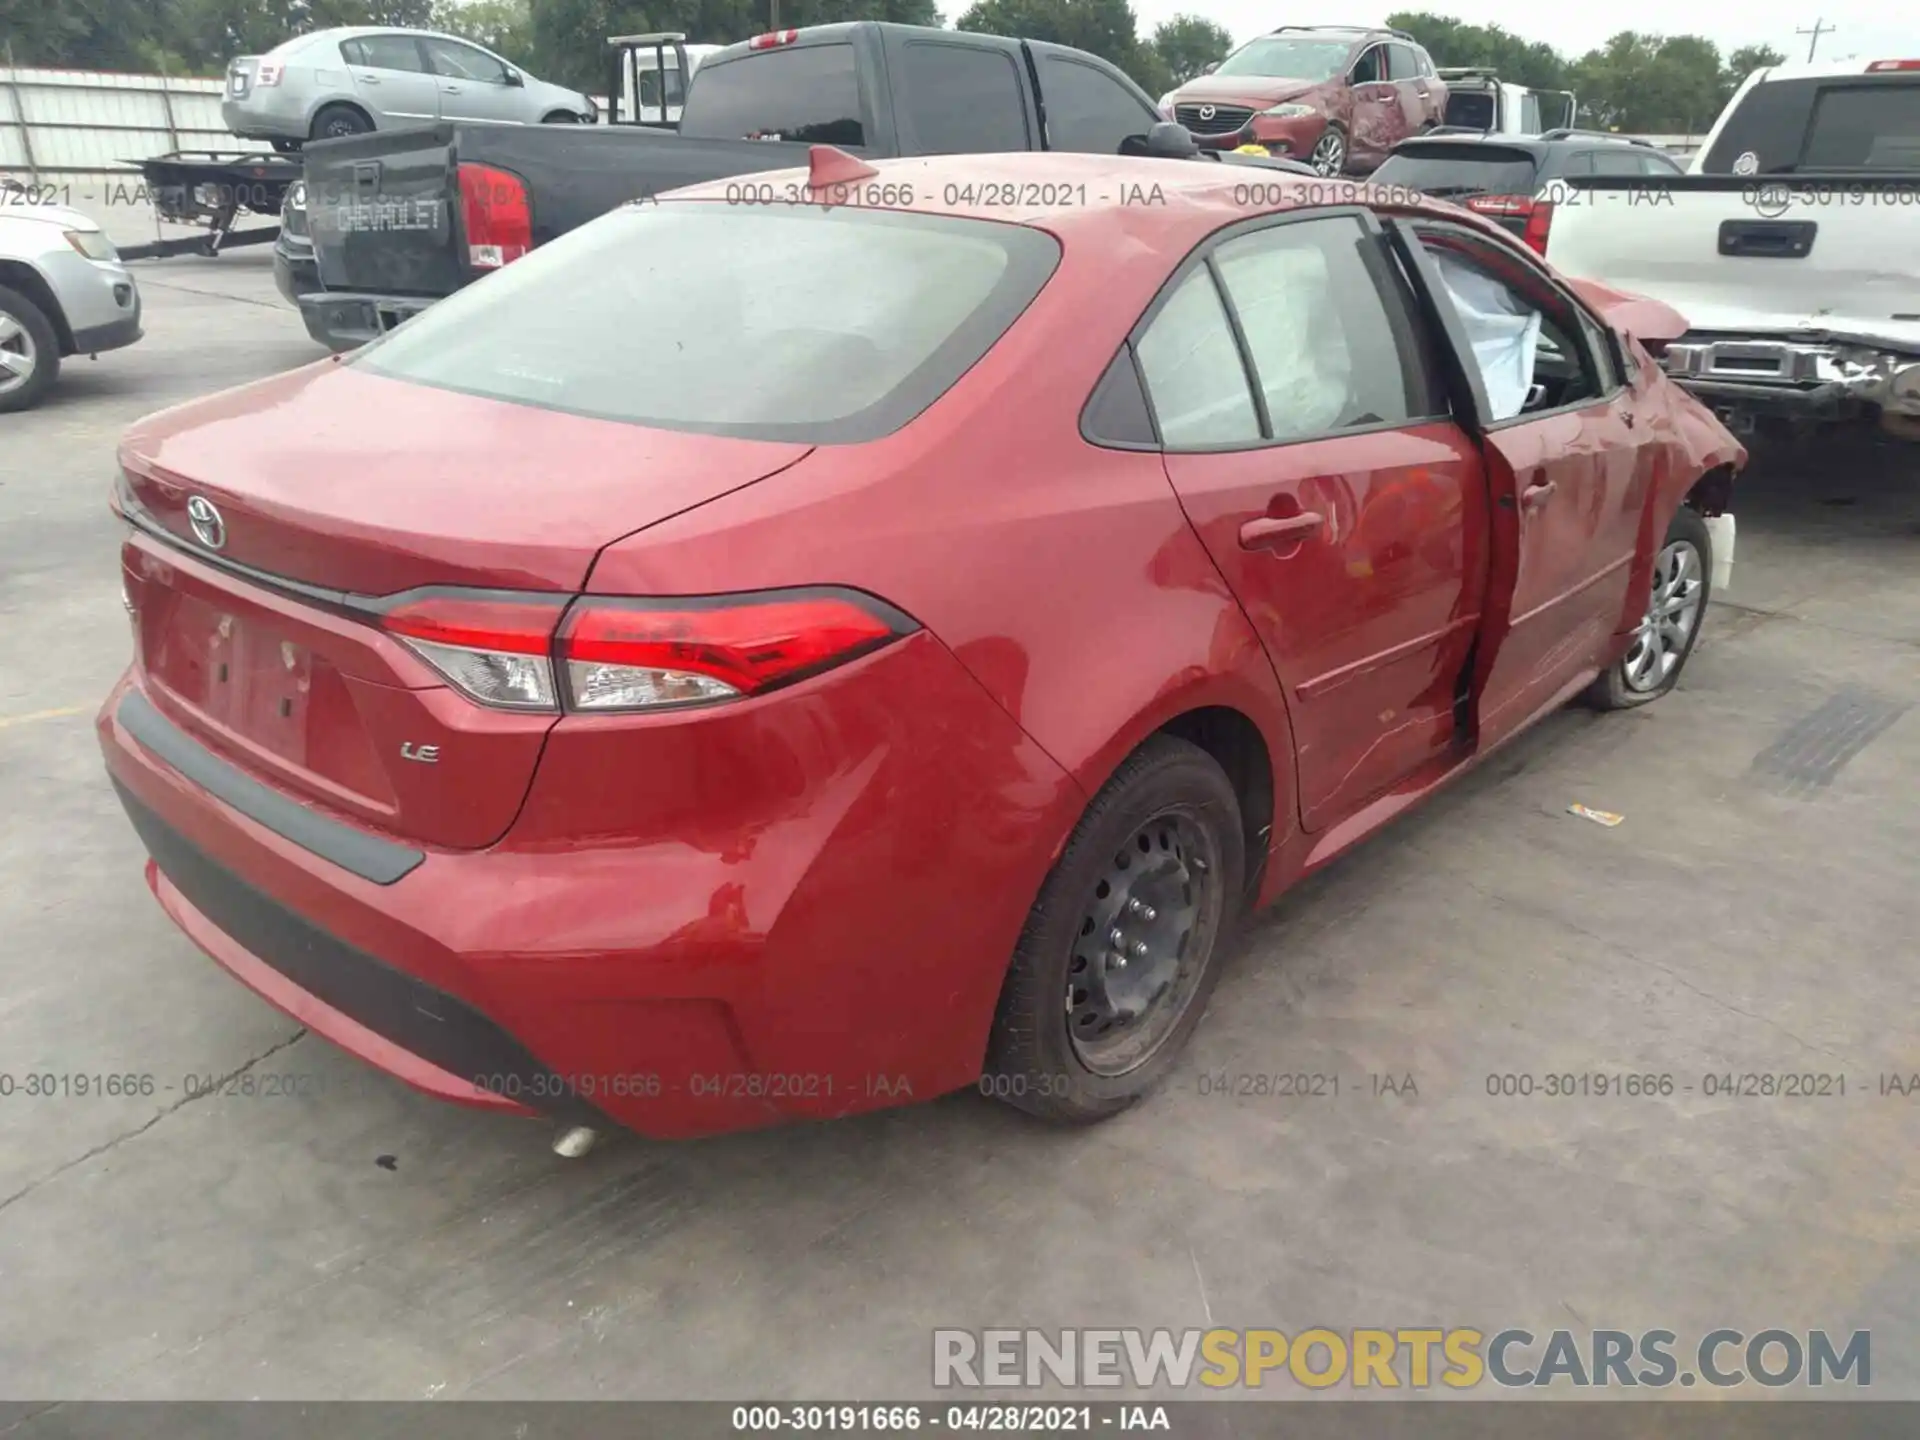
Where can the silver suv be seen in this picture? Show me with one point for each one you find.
(352, 80)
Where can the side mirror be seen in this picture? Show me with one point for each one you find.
(1212, 65)
(515, 78)
(1169, 141)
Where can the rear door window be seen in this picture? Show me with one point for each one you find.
(961, 99)
(673, 315)
(1402, 64)
(1195, 379)
(1087, 109)
(387, 52)
(1617, 162)
(809, 93)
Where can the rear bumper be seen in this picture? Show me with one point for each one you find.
(342, 320)
(295, 272)
(810, 920)
(1778, 375)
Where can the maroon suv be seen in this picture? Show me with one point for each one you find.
(1341, 96)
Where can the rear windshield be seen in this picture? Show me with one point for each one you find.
(802, 92)
(1869, 123)
(1449, 170)
(789, 323)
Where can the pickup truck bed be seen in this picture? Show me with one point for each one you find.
(403, 218)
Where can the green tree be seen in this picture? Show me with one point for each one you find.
(569, 37)
(503, 26)
(1455, 42)
(1743, 62)
(1187, 44)
(1651, 84)
(1100, 27)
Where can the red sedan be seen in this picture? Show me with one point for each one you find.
(744, 662)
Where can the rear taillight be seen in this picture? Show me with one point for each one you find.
(1537, 215)
(269, 73)
(773, 38)
(512, 651)
(643, 654)
(1880, 67)
(1539, 222)
(498, 218)
(494, 648)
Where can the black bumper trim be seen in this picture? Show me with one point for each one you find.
(345, 321)
(114, 335)
(419, 1018)
(380, 861)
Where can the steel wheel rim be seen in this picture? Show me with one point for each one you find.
(1144, 937)
(1329, 153)
(19, 357)
(1673, 613)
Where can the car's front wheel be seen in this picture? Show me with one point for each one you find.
(1122, 947)
(1676, 605)
(1329, 153)
(29, 352)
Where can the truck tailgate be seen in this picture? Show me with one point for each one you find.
(1794, 254)
(383, 209)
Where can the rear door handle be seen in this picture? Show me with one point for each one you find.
(1534, 496)
(1271, 530)
(369, 79)
(450, 89)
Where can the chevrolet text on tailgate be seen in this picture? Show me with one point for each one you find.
(900, 670)
(1792, 247)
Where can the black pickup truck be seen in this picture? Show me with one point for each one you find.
(401, 218)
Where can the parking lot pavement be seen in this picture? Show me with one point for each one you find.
(1756, 913)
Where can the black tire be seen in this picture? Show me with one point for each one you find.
(37, 338)
(286, 147)
(560, 117)
(335, 122)
(1629, 682)
(1175, 796)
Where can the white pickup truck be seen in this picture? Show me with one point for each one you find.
(1792, 246)
(1480, 102)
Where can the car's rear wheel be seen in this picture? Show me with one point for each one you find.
(29, 352)
(336, 122)
(1122, 947)
(1676, 605)
(1329, 153)
(560, 117)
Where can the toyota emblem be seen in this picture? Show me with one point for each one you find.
(1207, 112)
(207, 525)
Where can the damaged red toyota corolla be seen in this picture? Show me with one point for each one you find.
(741, 663)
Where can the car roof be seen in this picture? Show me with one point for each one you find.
(1538, 146)
(1166, 204)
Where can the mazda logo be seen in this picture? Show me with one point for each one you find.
(1207, 112)
(207, 525)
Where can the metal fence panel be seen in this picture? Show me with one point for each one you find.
(62, 124)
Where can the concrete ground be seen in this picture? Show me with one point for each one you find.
(1745, 918)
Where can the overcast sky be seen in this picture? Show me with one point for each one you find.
(1870, 29)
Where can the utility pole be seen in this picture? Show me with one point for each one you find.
(773, 14)
(1820, 27)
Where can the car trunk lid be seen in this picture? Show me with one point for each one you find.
(258, 629)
